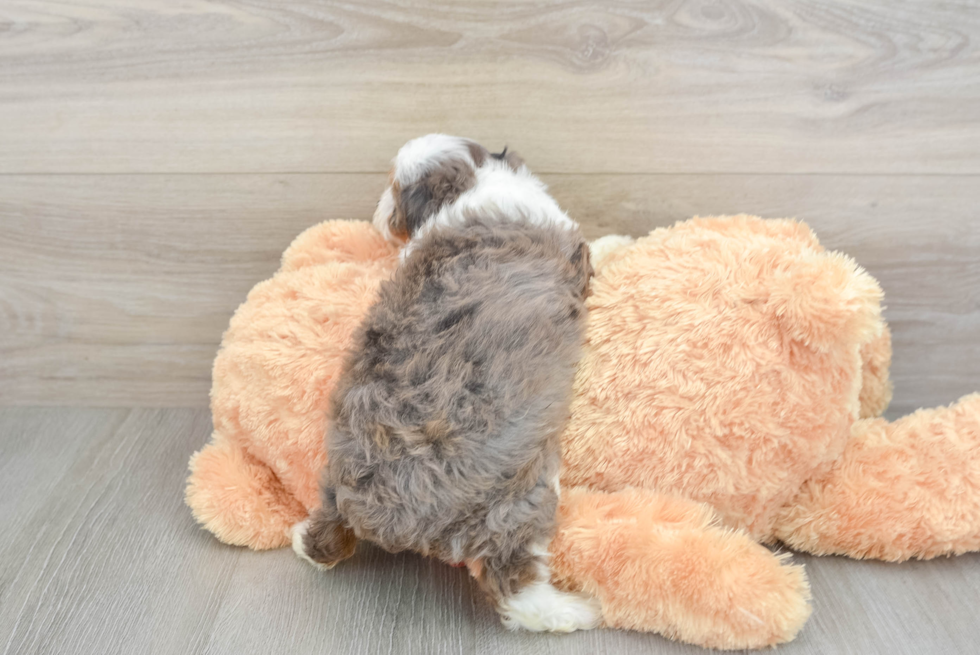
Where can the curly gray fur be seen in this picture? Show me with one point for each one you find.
(446, 421)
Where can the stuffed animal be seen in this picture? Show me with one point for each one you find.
(727, 397)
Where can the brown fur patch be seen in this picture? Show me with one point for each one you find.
(441, 185)
(328, 540)
(478, 153)
(504, 577)
(398, 224)
(437, 429)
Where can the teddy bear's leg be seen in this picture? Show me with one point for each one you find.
(900, 490)
(663, 564)
(238, 498)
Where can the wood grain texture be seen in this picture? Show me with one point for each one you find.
(99, 555)
(660, 87)
(156, 158)
(114, 290)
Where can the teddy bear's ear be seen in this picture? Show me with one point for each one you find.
(824, 299)
(337, 241)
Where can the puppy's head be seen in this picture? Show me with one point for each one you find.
(429, 172)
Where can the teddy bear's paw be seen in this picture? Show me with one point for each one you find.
(664, 564)
(541, 607)
(299, 532)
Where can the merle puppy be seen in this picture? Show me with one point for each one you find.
(445, 423)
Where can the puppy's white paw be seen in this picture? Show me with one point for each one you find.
(541, 607)
(298, 532)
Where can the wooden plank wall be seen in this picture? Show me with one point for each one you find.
(156, 158)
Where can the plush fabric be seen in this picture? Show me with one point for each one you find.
(728, 396)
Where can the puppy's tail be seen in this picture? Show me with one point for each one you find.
(324, 539)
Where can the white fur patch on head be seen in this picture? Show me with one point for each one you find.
(515, 193)
(499, 188)
(418, 155)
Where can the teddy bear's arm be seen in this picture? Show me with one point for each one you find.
(239, 498)
(662, 564)
(908, 489)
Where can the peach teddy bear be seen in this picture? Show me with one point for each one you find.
(727, 396)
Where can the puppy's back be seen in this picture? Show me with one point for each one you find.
(459, 383)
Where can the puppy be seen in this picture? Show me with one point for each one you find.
(445, 423)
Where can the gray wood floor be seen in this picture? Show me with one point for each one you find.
(156, 158)
(98, 554)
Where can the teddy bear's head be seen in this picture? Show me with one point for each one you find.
(726, 360)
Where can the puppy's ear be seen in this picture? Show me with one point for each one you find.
(478, 153)
(415, 203)
(511, 158)
(386, 217)
(582, 265)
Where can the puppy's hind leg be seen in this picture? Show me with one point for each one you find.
(323, 540)
(521, 590)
